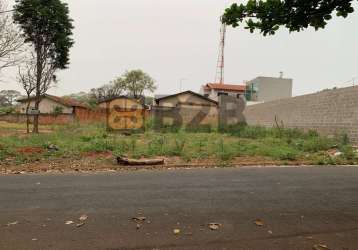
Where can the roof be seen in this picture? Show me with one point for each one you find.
(187, 92)
(69, 102)
(160, 96)
(227, 87)
(117, 97)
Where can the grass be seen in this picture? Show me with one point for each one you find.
(281, 145)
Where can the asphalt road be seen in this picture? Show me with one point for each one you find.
(300, 207)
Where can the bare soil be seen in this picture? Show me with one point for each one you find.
(105, 161)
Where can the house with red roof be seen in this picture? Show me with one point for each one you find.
(214, 90)
(50, 104)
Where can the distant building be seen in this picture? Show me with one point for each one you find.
(49, 104)
(192, 109)
(265, 89)
(186, 98)
(214, 90)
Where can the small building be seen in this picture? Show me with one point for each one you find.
(265, 89)
(51, 104)
(187, 109)
(185, 98)
(214, 90)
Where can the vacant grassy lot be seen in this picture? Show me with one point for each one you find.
(276, 146)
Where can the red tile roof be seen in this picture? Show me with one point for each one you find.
(227, 87)
(69, 102)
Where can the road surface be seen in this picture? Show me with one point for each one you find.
(299, 207)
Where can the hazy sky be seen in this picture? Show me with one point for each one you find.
(174, 39)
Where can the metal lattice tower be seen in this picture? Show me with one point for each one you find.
(220, 67)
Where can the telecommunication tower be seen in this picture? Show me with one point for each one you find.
(220, 67)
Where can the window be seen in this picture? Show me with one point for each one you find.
(222, 93)
(252, 91)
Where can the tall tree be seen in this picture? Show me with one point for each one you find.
(10, 40)
(137, 82)
(9, 96)
(47, 26)
(113, 89)
(296, 15)
(27, 80)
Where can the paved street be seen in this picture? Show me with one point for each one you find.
(300, 207)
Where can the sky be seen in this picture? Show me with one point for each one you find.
(178, 40)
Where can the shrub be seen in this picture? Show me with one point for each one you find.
(57, 110)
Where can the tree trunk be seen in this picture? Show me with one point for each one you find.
(27, 116)
(36, 116)
(38, 87)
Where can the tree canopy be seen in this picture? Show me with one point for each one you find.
(136, 82)
(296, 15)
(132, 83)
(46, 24)
(8, 97)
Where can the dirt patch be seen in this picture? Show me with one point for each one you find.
(95, 162)
(30, 150)
(98, 154)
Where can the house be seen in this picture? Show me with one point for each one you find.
(186, 98)
(265, 89)
(186, 109)
(124, 113)
(50, 104)
(214, 90)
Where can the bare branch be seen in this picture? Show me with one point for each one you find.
(11, 41)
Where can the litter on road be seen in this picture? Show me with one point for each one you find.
(259, 223)
(214, 226)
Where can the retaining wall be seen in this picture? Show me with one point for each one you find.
(329, 112)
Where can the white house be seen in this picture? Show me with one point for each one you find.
(49, 104)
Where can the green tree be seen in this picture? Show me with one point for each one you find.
(8, 97)
(137, 82)
(296, 15)
(46, 25)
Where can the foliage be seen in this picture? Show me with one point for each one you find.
(132, 83)
(107, 91)
(57, 110)
(83, 97)
(47, 27)
(7, 110)
(289, 147)
(8, 97)
(296, 15)
(136, 82)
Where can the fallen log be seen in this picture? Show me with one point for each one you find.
(139, 162)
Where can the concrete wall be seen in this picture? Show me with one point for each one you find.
(84, 115)
(271, 88)
(329, 112)
(231, 110)
(46, 107)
